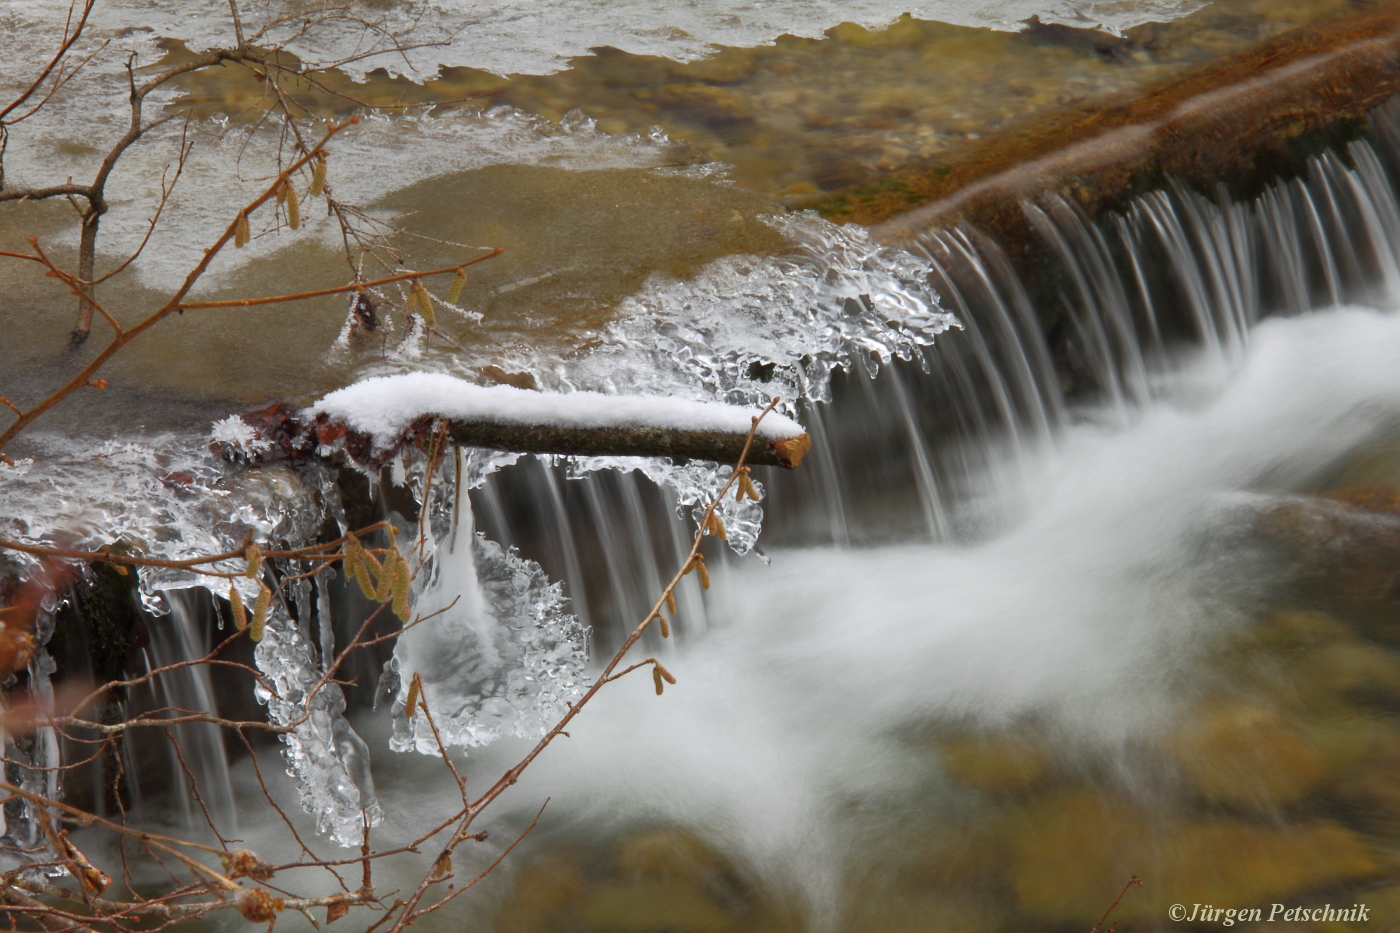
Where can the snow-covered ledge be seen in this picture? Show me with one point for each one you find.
(384, 408)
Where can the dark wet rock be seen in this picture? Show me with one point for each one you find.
(1103, 44)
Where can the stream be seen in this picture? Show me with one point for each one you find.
(1065, 592)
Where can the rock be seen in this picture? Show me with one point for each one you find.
(1228, 863)
(1370, 497)
(668, 854)
(994, 764)
(708, 102)
(1105, 45)
(940, 912)
(963, 857)
(1363, 674)
(1349, 559)
(1369, 789)
(1072, 852)
(674, 906)
(1295, 630)
(728, 66)
(1246, 755)
(541, 892)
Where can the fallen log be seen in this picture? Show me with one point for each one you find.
(371, 420)
(637, 441)
(1242, 120)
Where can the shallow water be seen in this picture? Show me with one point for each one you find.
(1152, 634)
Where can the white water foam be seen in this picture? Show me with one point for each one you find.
(1131, 557)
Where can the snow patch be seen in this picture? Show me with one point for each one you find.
(383, 406)
(238, 434)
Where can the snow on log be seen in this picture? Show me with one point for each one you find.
(375, 417)
(575, 423)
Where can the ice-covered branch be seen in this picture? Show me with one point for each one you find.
(377, 415)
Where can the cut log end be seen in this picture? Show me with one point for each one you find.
(791, 450)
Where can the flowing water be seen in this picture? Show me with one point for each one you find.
(1033, 616)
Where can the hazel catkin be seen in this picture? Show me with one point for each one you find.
(240, 615)
(293, 208)
(454, 291)
(425, 302)
(259, 621)
(255, 558)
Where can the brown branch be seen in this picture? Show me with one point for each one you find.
(338, 290)
(169, 308)
(39, 194)
(1134, 880)
(69, 40)
(165, 192)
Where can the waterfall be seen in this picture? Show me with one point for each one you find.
(916, 441)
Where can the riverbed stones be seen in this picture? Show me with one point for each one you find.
(860, 96)
(1246, 755)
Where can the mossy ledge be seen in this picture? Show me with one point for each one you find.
(1243, 120)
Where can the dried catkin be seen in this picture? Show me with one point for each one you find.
(255, 627)
(425, 302)
(656, 677)
(255, 559)
(282, 190)
(720, 529)
(256, 905)
(369, 559)
(665, 627)
(671, 602)
(240, 615)
(704, 574)
(355, 567)
(746, 487)
(318, 178)
(293, 208)
(410, 703)
(242, 233)
(402, 581)
(454, 291)
(665, 674)
(386, 580)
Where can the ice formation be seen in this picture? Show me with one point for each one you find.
(496, 653)
(744, 330)
(328, 759)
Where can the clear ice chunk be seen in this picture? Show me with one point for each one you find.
(329, 761)
(496, 651)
